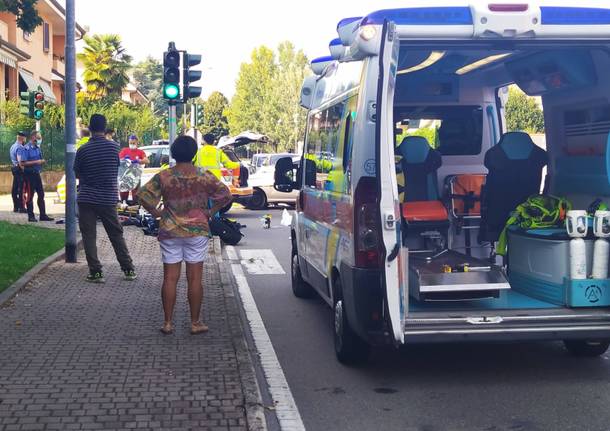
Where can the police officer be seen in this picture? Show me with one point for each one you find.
(209, 158)
(31, 161)
(17, 189)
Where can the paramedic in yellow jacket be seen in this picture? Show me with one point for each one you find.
(209, 158)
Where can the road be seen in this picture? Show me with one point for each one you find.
(490, 387)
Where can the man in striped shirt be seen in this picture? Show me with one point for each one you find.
(96, 166)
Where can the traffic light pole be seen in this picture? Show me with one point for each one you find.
(194, 120)
(172, 123)
(70, 55)
(38, 125)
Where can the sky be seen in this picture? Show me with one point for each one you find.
(224, 32)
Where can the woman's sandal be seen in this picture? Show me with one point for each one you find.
(198, 328)
(167, 329)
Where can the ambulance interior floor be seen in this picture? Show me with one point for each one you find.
(508, 300)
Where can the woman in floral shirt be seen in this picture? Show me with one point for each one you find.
(183, 229)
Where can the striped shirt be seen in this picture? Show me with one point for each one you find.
(97, 167)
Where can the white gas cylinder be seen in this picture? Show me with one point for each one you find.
(578, 259)
(601, 253)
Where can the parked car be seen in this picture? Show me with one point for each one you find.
(262, 181)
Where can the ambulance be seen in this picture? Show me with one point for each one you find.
(399, 230)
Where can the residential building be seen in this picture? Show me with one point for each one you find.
(131, 94)
(32, 60)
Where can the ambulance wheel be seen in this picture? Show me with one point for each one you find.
(258, 200)
(300, 287)
(587, 348)
(227, 208)
(349, 348)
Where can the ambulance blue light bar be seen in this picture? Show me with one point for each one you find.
(346, 21)
(561, 15)
(322, 59)
(422, 16)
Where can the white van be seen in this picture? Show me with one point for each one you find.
(416, 93)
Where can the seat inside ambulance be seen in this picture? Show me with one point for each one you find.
(515, 167)
(451, 94)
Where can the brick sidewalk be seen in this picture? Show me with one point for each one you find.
(80, 356)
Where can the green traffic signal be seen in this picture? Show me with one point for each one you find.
(38, 114)
(171, 91)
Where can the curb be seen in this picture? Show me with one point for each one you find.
(13, 290)
(253, 401)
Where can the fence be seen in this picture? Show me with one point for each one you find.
(53, 147)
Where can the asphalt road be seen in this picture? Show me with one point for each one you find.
(490, 387)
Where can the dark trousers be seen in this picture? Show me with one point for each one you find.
(17, 190)
(33, 184)
(87, 220)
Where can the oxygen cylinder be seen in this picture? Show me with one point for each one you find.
(578, 259)
(601, 252)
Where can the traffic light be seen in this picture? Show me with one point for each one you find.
(38, 102)
(171, 74)
(188, 76)
(198, 115)
(25, 103)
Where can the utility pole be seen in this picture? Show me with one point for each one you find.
(70, 55)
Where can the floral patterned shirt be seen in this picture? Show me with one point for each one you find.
(186, 201)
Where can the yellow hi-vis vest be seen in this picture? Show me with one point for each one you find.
(209, 158)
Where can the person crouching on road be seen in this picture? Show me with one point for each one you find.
(31, 161)
(17, 189)
(136, 155)
(183, 229)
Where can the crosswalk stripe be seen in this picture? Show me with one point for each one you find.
(260, 262)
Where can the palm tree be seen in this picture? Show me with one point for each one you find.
(106, 65)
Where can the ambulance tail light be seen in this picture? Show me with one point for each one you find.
(508, 7)
(366, 224)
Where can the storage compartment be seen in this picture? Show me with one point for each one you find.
(539, 263)
(587, 293)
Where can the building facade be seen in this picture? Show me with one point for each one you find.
(32, 60)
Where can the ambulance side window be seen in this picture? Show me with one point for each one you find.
(323, 142)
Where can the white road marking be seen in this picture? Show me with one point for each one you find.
(260, 262)
(285, 408)
(231, 253)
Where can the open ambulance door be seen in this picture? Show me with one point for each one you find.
(395, 272)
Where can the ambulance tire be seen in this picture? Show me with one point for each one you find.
(300, 288)
(587, 348)
(227, 208)
(258, 200)
(349, 348)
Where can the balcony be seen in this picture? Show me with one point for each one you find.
(59, 64)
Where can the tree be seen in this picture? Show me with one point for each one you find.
(106, 66)
(249, 106)
(287, 125)
(214, 115)
(25, 11)
(148, 77)
(523, 113)
(267, 96)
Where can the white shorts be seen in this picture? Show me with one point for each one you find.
(189, 250)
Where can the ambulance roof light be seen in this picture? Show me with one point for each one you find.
(346, 21)
(442, 15)
(508, 7)
(567, 15)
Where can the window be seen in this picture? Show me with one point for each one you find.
(46, 38)
(328, 147)
(452, 130)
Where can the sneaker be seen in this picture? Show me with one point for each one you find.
(130, 275)
(46, 218)
(32, 219)
(95, 277)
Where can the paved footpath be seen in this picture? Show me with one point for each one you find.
(80, 356)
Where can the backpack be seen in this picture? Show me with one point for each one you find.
(537, 212)
(228, 230)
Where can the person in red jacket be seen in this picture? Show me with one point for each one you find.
(136, 155)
